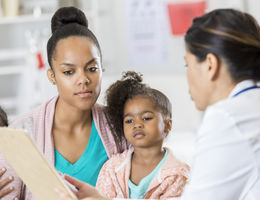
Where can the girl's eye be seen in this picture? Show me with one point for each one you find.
(69, 72)
(129, 121)
(147, 118)
(92, 69)
(186, 65)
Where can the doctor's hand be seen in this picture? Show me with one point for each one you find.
(5, 190)
(85, 191)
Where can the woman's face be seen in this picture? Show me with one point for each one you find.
(197, 81)
(77, 72)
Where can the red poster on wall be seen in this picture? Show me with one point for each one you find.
(182, 14)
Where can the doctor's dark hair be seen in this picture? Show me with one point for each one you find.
(127, 88)
(232, 36)
(3, 118)
(66, 22)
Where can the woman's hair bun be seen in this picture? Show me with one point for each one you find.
(68, 15)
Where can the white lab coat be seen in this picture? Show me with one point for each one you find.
(227, 159)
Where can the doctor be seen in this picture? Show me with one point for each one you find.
(223, 72)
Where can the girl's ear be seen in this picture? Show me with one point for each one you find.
(168, 125)
(51, 76)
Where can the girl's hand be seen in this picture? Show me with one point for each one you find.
(85, 191)
(3, 183)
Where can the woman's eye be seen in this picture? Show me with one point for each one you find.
(186, 65)
(69, 72)
(129, 121)
(92, 69)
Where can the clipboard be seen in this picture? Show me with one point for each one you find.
(30, 164)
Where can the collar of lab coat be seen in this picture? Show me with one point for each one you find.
(242, 85)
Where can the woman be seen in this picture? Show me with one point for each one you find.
(71, 129)
(223, 60)
(222, 56)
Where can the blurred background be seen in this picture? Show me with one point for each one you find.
(141, 35)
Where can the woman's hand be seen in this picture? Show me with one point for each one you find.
(85, 191)
(4, 191)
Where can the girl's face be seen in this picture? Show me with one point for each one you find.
(198, 87)
(77, 72)
(143, 123)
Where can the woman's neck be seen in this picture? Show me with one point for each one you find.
(221, 92)
(221, 87)
(70, 117)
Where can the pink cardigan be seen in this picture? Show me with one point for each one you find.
(168, 182)
(38, 124)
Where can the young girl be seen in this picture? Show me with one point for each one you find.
(142, 116)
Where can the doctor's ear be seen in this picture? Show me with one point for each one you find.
(51, 76)
(213, 64)
(168, 125)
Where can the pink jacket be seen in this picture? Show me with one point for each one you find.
(168, 182)
(38, 124)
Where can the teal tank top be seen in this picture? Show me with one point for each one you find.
(88, 166)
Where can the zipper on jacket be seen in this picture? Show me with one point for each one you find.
(120, 187)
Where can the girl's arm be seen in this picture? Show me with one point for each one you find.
(174, 188)
(105, 184)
